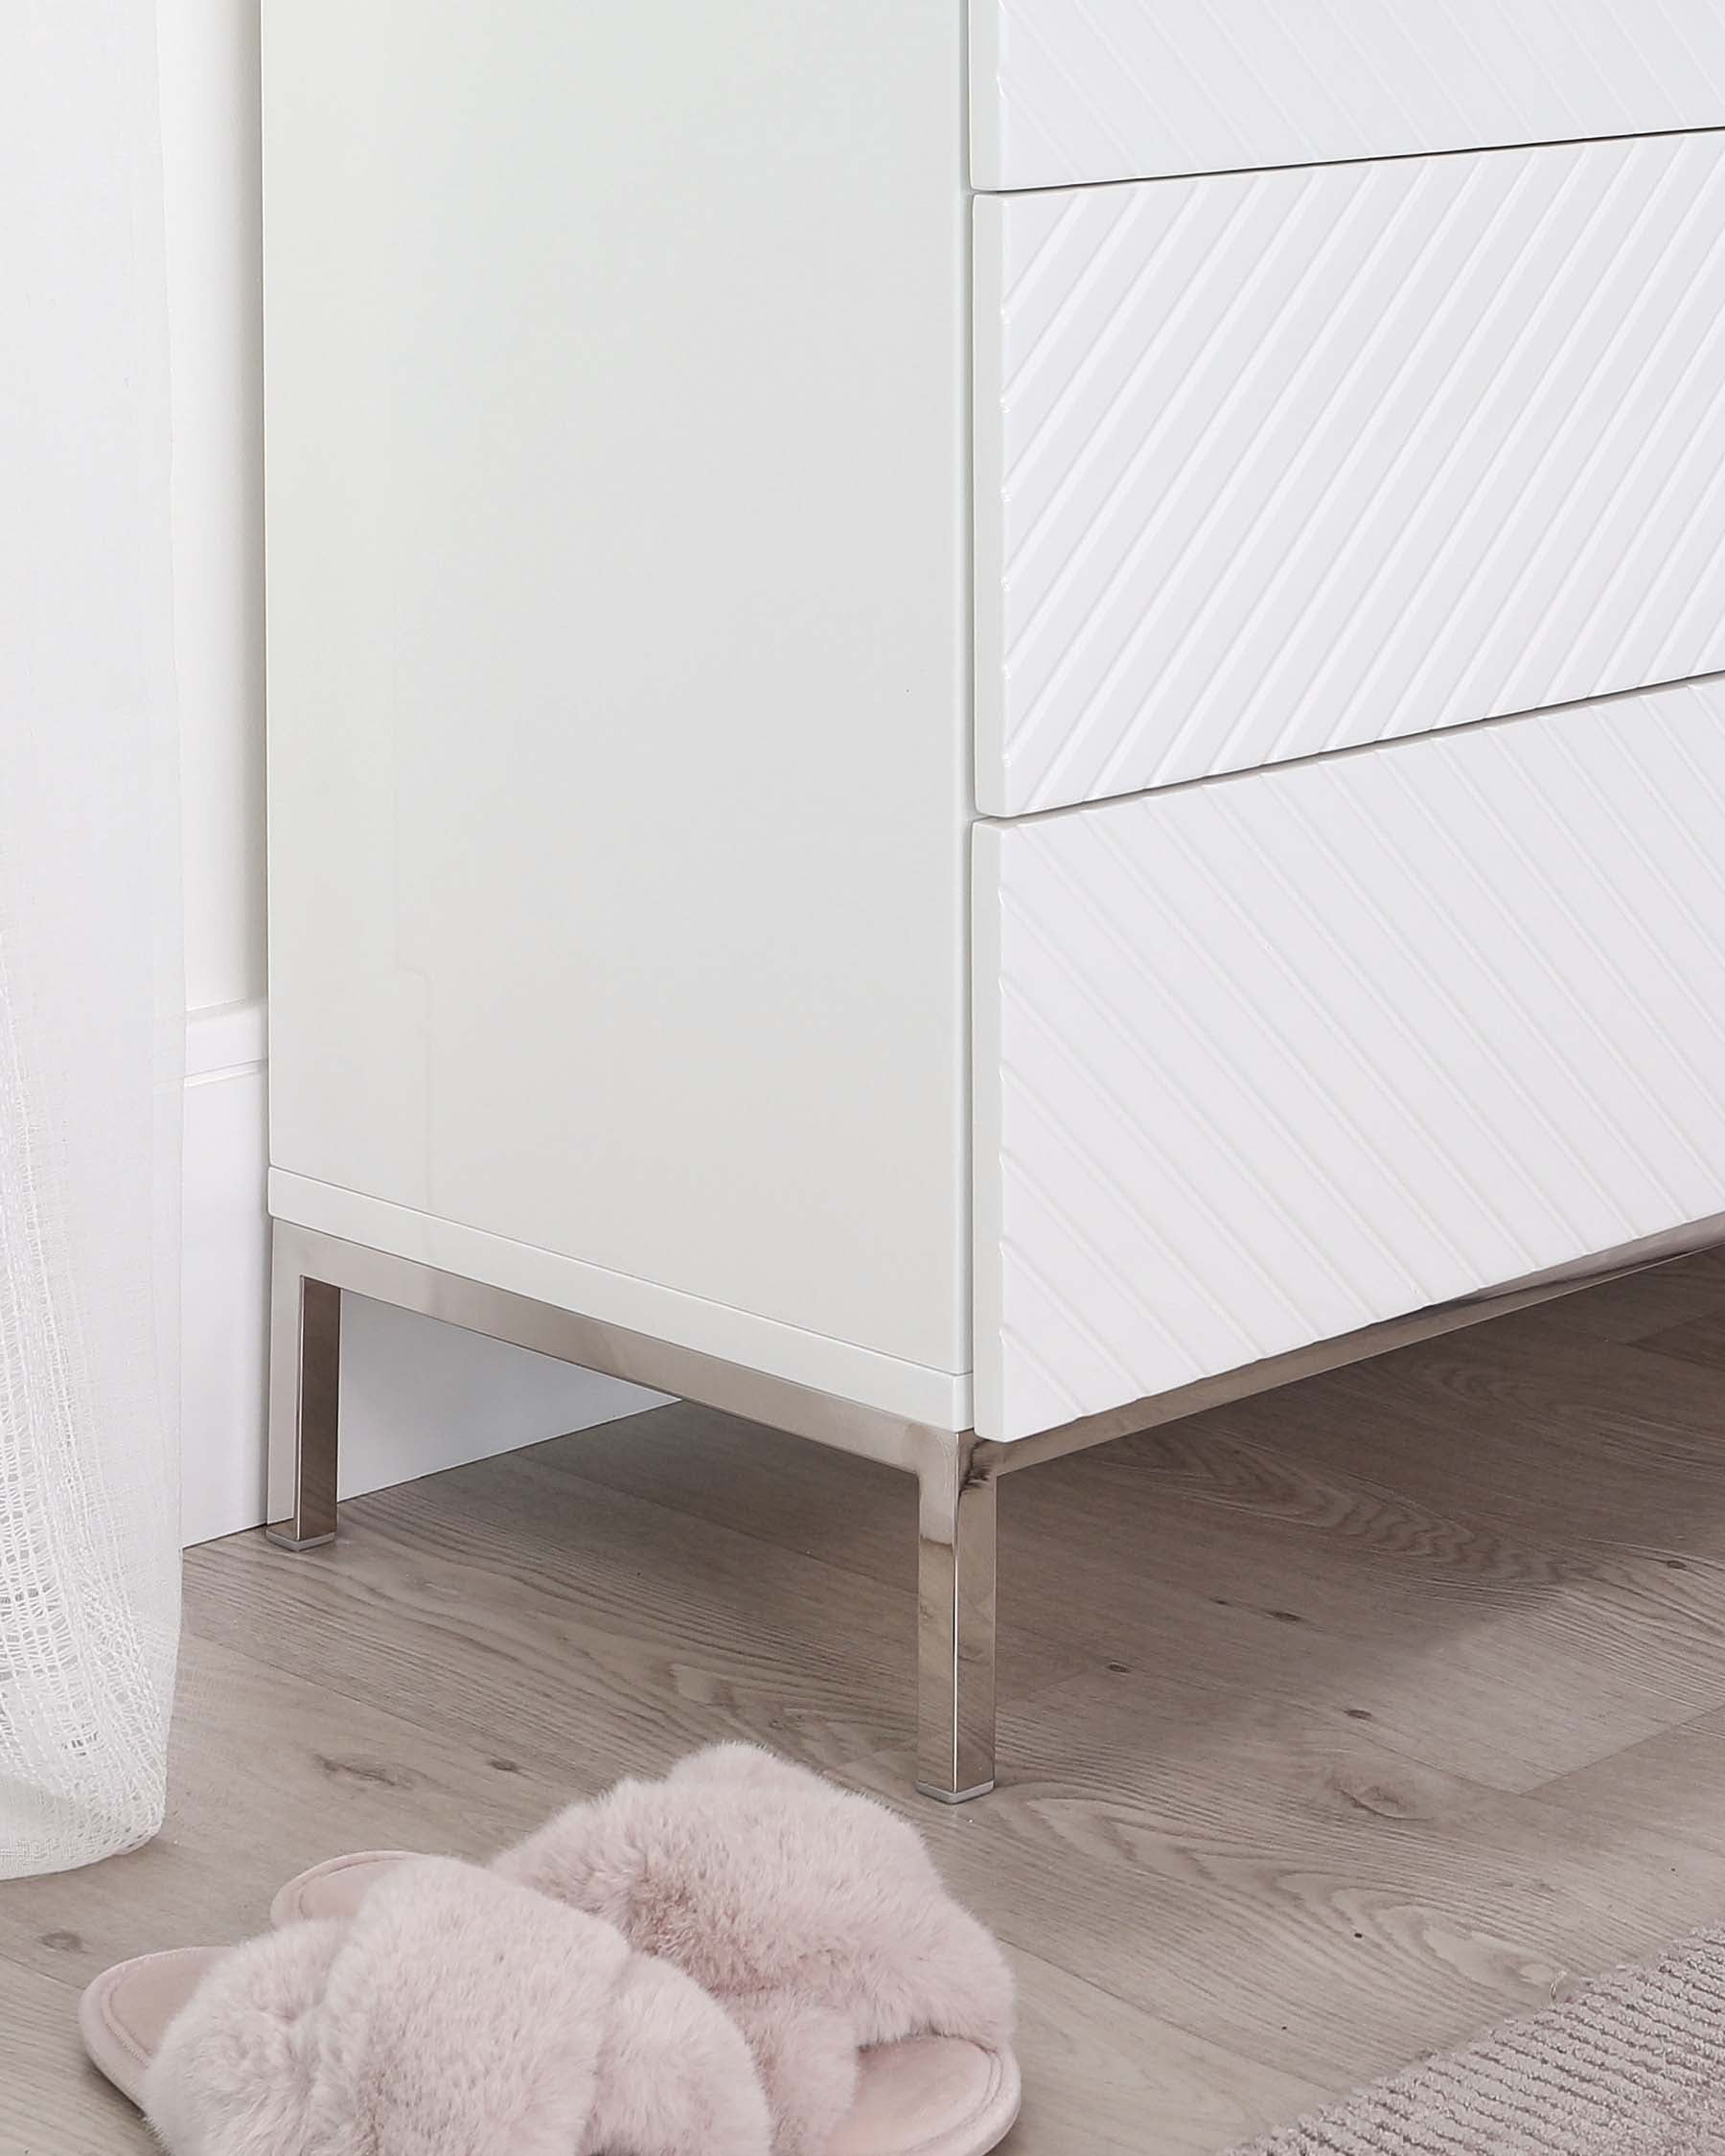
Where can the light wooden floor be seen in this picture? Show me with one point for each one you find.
(1337, 1725)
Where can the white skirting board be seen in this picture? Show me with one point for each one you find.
(417, 1396)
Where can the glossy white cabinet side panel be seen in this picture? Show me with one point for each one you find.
(939, 1397)
(1266, 1060)
(1276, 463)
(1076, 90)
(619, 639)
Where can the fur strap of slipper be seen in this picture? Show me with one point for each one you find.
(815, 1916)
(455, 2012)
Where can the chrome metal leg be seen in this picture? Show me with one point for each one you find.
(304, 1396)
(955, 1643)
(957, 1471)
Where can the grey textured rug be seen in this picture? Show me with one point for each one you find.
(1631, 2065)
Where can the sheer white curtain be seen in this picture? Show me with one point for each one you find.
(90, 1016)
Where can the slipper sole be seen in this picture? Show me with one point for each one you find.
(334, 1889)
(931, 2096)
(124, 2013)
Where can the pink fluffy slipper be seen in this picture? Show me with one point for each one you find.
(454, 2016)
(877, 2010)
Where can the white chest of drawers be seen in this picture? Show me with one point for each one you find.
(847, 834)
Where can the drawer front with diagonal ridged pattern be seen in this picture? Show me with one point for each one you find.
(1276, 462)
(1071, 90)
(1265, 1060)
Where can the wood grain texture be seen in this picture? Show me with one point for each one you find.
(1650, 1301)
(1312, 1905)
(1696, 1339)
(588, 1633)
(52, 2103)
(1337, 1724)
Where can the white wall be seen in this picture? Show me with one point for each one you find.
(209, 75)
(417, 1396)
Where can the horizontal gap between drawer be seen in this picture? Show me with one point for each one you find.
(1312, 164)
(1387, 747)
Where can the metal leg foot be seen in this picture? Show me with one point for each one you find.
(305, 1394)
(955, 1647)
